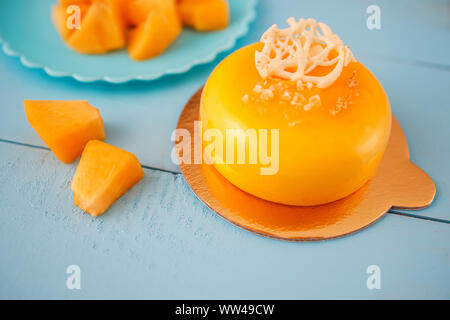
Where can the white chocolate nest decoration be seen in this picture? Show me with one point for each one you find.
(294, 52)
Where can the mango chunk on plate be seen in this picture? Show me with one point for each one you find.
(137, 11)
(103, 175)
(66, 3)
(102, 29)
(204, 15)
(60, 16)
(59, 19)
(154, 35)
(65, 126)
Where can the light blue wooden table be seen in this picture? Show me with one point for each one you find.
(159, 241)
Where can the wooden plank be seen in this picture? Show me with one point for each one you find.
(140, 117)
(159, 241)
(419, 100)
(413, 30)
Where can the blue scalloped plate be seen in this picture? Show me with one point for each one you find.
(27, 32)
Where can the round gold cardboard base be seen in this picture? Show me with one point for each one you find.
(398, 184)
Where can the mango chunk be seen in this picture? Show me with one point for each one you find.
(137, 11)
(102, 29)
(103, 175)
(66, 3)
(65, 126)
(121, 7)
(154, 35)
(204, 15)
(60, 17)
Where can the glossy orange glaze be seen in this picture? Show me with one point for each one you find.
(325, 153)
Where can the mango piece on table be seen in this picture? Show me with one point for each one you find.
(154, 35)
(103, 175)
(204, 15)
(102, 29)
(65, 126)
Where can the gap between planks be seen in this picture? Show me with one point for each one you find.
(391, 211)
(47, 149)
(411, 62)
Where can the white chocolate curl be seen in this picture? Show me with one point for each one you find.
(294, 52)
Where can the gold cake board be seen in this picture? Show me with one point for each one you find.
(398, 184)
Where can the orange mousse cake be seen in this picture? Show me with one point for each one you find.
(295, 119)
